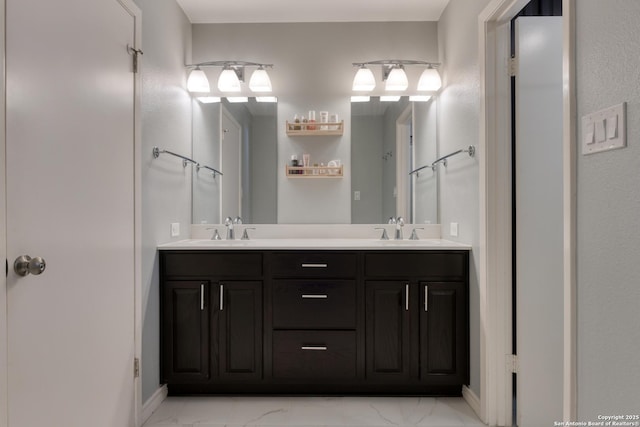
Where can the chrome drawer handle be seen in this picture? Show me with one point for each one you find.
(311, 296)
(314, 347)
(314, 265)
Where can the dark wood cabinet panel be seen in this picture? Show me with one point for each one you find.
(387, 331)
(233, 265)
(186, 332)
(314, 304)
(313, 264)
(317, 355)
(451, 265)
(443, 332)
(240, 331)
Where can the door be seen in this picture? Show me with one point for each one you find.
(443, 329)
(231, 167)
(70, 91)
(240, 331)
(539, 220)
(388, 330)
(186, 331)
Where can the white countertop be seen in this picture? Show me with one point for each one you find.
(314, 243)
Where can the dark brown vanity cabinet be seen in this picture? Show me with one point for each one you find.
(212, 313)
(322, 321)
(417, 317)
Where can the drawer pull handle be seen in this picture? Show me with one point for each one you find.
(221, 297)
(314, 347)
(311, 296)
(201, 296)
(314, 265)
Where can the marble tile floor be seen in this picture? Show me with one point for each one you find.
(206, 411)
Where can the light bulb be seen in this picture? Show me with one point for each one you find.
(197, 81)
(364, 80)
(397, 80)
(228, 81)
(260, 81)
(430, 80)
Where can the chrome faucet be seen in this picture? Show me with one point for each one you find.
(228, 222)
(399, 224)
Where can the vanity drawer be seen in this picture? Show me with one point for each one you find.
(314, 304)
(314, 355)
(450, 265)
(313, 264)
(218, 264)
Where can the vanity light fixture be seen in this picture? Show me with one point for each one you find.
(395, 77)
(237, 99)
(389, 98)
(231, 77)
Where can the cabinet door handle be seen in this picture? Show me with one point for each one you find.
(320, 265)
(406, 297)
(314, 347)
(201, 296)
(221, 297)
(426, 297)
(314, 296)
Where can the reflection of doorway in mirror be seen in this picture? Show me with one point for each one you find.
(404, 164)
(231, 162)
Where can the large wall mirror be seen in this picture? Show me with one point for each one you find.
(240, 140)
(388, 141)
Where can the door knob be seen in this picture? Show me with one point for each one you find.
(24, 265)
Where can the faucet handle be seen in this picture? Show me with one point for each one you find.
(414, 235)
(384, 233)
(228, 221)
(215, 236)
(245, 235)
(237, 220)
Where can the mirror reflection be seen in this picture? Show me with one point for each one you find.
(239, 139)
(388, 141)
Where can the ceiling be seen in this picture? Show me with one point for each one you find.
(254, 11)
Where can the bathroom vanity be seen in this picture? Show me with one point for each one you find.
(300, 316)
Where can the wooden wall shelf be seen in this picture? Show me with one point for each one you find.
(314, 172)
(315, 129)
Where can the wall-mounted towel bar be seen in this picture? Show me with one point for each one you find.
(471, 150)
(185, 160)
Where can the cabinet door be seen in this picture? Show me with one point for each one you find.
(443, 334)
(240, 338)
(388, 346)
(185, 332)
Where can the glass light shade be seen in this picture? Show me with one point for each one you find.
(260, 81)
(364, 80)
(197, 81)
(397, 80)
(228, 81)
(430, 80)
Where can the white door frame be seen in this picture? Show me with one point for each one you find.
(137, 182)
(402, 156)
(495, 212)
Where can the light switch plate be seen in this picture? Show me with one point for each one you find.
(453, 229)
(610, 126)
(356, 195)
(175, 229)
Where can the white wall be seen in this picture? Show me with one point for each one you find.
(166, 185)
(458, 127)
(313, 70)
(608, 250)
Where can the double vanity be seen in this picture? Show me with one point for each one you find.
(315, 315)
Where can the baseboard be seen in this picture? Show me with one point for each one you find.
(472, 399)
(153, 403)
